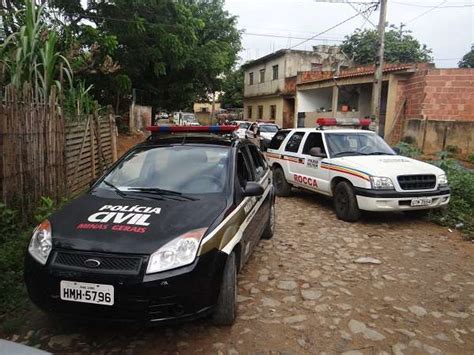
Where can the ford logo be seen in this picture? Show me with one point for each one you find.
(92, 263)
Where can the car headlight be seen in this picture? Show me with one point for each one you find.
(41, 242)
(381, 183)
(181, 251)
(442, 180)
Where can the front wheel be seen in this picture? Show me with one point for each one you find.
(224, 313)
(345, 202)
(282, 187)
(270, 228)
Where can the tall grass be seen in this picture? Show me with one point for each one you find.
(30, 54)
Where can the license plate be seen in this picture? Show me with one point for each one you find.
(87, 293)
(423, 201)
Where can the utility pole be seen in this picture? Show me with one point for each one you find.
(377, 88)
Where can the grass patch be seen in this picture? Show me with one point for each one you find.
(460, 211)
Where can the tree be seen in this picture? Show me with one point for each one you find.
(468, 60)
(400, 46)
(233, 88)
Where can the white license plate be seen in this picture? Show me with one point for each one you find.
(87, 293)
(423, 201)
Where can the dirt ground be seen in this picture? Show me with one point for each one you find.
(308, 291)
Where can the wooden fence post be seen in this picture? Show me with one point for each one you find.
(113, 132)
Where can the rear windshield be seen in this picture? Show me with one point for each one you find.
(271, 128)
(185, 169)
(278, 139)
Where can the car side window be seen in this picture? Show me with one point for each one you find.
(277, 140)
(314, 140)
(294, 142)
(259, 162)
(244, 173)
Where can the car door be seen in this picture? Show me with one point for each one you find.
(262, 175)
(292, 159)
(244, 174)
(312, 176)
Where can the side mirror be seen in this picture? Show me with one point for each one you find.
(316, 152)
(253, 189)
(396, 150)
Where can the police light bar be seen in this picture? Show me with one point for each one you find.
(325, 122)
(192, 129)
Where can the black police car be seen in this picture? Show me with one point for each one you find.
(161, 235)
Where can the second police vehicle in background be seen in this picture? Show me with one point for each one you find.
(356, 167)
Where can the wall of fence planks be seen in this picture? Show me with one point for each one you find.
(42, 155)
(31, 149)
(89, 151)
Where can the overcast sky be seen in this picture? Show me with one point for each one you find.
(269, 24)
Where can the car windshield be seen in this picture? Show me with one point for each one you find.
(363, 143)
(189, 117)
(244, 125)
(182, 169)
(271, 128)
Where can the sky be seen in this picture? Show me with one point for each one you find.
(445, 26)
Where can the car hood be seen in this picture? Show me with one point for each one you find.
(125, 225)
(387, 165)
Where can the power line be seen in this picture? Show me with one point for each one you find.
(436, 7)
(427, 11)
(290, 37)
(331, 28)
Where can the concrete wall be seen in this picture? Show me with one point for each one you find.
(434, 136)
(140, 117)
(313, 100)
(289, 64)
(266, 102)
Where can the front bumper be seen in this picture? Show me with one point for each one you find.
(176, 295)
(373, 200)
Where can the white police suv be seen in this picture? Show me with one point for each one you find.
(356, 167)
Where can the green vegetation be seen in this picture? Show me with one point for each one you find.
(233, 87)
(400, 46)
(408, 150)
(468, 60)
(460, 211)
(14, 239)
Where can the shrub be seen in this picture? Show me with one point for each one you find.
(408, 150)
(460, 210)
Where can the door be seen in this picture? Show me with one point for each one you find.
(262, 175)
(292, 159)
(312, 176)
(243, 176)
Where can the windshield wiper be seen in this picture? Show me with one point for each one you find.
(115, 188)
(380, 153)
(162, 192)
(347, 153)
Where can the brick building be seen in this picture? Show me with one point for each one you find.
(433, 106)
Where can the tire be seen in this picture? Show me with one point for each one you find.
(345, 202)
(282, 187)
(224, 313)
(270, 228)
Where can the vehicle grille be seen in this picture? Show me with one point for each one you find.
(417, 182)
(108, 263)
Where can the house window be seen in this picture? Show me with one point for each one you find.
(204, 109)
(316, 67)
(262, 75)
(249, 112)
(275, 72)
(260, 112)
(250, 78)
(273, 111)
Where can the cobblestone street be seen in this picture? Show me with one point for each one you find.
(389, 284)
